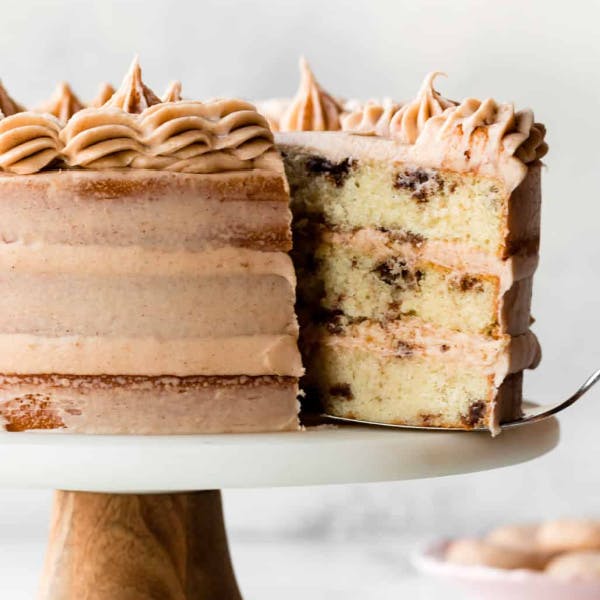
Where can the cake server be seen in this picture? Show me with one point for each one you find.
(532, 413)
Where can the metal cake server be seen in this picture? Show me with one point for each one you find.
(532, 413)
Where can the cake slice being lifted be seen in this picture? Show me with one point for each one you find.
(146, 282)
(416, 233)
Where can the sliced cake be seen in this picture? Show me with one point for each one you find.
(416, 238)
(146, 281)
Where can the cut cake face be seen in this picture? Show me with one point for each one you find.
(416, 235)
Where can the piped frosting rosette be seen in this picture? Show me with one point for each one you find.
(173, 92)
(8, 106)
(372, 118)
(63, 103)
(403, 122)
(101, 138)
(105, 93)
(481, 129)
(29, 142)
(134, 96)
(477, 128)
(527, 140)
(197, 137)
(312, 109)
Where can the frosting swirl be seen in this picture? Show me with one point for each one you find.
(527, 141)
(63, 103)
(403, 122)
(191, 137)
(273, 110)
(372, 118)
(105, 93)
(408, 122)
(8, 106)
(482, 129)
(312, 109)
(101, 138)
(134, 96)
(136, 129)
(173, 92)
(471, 128)
(28, 142)
(196, 137)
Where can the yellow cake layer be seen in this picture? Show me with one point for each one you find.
(411, 390)
(432, 203)
(348, 188)
(392, 284)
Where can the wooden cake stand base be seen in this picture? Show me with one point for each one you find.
(138, 547)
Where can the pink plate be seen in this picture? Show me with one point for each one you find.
(487, 583)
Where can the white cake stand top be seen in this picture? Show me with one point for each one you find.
(321, 455)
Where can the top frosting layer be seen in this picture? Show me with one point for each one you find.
(472, 127)
(487, 127)
(312, 109)
(403, 122)
(190, 137)
(134, 128)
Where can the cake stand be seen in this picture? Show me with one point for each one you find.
(140, 518)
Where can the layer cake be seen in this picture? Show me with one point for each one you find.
(147, 286)
(416, 235)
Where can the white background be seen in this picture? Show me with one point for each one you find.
(544, 54)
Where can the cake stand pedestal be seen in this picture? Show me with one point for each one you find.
(139, 517)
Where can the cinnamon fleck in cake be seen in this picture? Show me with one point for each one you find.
(416, 233)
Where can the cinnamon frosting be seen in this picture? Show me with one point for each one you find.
(101, 138)
(173, 92)
(500, 357)
(63, 103)
(7, 105)
(134, 128)
(29, 142)
(105, 93)
(312, 109)
(487, 128)
(479, 130)
(134, 96)
(406, 122)
(191, 137)
(472, 126)
(196, 137)
(371, 118)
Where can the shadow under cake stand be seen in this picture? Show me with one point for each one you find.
(140, 517)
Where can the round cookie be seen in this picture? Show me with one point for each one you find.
(576, 565)
(520, 537)
(515, 536)
(569, 535)
(471, 552)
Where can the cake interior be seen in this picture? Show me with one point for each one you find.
(412, 288)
